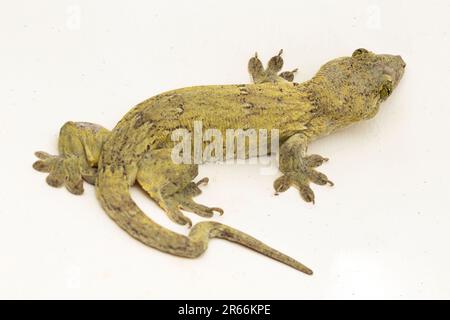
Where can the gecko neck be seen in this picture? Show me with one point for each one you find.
(336, 106)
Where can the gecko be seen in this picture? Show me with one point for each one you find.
(138, 150)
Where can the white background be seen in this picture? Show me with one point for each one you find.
(382, 232)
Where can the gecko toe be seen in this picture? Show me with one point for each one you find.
(218, 210)
(314, 161)
(307, 194)
(199, 209)
(288, 75)
(42, 166)
(42, 155)
(55, 179)
(319, 178)
(75, 188)
(282, 184)
(178, 217)
(203, 182)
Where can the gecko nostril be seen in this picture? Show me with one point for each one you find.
(402, 62)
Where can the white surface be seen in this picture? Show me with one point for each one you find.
(382, 232)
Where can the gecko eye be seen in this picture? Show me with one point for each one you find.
(359, 52)
(386, 89)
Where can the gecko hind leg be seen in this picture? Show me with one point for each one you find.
(79, 150)
(171, 186)
(272, 72)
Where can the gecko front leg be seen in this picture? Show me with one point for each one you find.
(79, 147)
(299, 169)
(271, 73)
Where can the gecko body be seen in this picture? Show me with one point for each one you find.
(139, 149)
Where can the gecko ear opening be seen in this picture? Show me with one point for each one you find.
(359, 52)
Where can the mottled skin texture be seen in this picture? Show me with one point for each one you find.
(138, 149)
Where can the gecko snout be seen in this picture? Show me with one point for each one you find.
(402, 66)
(401, 61)
(394, 66)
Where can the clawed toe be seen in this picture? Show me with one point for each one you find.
(275, 63)
(203, 182)
(42, 155)
(319, 178)
(288, 75)
(314, 161)
(177, 216)
(42, 166)
(306, 193)
(255, 67)
(201, 210)
(282, 184)
(218, 210)
(55, 178)
(193, 189)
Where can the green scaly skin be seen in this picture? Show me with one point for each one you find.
(138, 149)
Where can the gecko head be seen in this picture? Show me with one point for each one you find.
(379, 73)
(354, 86)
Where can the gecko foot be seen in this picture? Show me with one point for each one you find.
(63, 171)
(303, 177)
(183, 200)
(271, 73)
(173, 204)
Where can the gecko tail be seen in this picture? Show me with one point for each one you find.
(206, 230)
(112, 190)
